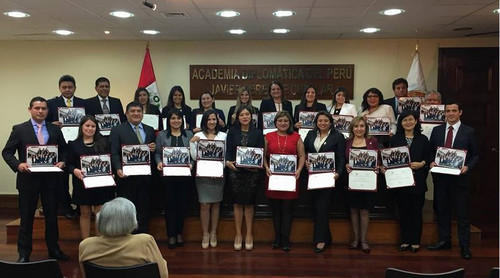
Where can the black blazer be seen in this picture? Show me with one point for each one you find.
(59, 101)
(229, 124)
(419, 151)
(233, 139)
(392, 102)
(335, 142)
(93, 106)
(267, 105)
(319, 107)
(124, 134)
(23, 134)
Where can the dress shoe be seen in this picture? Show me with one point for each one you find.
(23, 259)
(365, 247)
(172, 242)
(414, 248)
(238, 243)
(354, 245)
(249, 243)
(403, 247)
(205, 240)
(440, 245)
(58, 255)
(465, 253)
(70, 215)
(180, 241)
(213, 240)
(276, 244)
(287, 249)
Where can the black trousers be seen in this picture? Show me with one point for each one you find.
(176, 203)
(282, 220)
(320, 204)
(410, 216)
(64, 196)
(46, 186)
(137, 189)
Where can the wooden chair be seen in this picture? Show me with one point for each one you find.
(494, 272)
(398, 273)
(148, 270)
(46, 268)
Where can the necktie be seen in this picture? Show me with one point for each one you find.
(449, 138)
(105, 108)
(68, 102)
(39, 135)
(139, 136)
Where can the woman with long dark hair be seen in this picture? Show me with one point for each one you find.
(207, 102)
(177, 99)
(308, 102)
(142, 96)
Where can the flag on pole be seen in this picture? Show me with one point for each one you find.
(148, 79)
(415, 78)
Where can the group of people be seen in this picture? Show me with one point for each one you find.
(186, 127)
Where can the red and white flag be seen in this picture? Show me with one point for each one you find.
(148, 79)
(415, 78)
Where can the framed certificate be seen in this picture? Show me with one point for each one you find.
(96, 170)
(151, 120)
(198, 120)
(268, 120)
(210, 158)
(363, 159)
(303, 133)
(449, 161)
(397, 162)
(42, 158)
(249, 157)
(70, 116)
(70, 133)
(409, 103)
(378, 125)
(283, 169)
(136, 160)
(210, 168)
(321, 170)
(255, 120)
(342, 122)
(306, 118)
(107, 122)
(176, 161)
(432, 113)
(362, 180)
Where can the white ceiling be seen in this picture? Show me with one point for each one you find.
(314, 19)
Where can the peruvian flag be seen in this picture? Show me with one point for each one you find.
(148, 79)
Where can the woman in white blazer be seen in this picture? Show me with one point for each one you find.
(340, 104)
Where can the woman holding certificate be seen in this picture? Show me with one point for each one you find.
(308, 103)
(324, 138)
(177, 99)
(340, 104)
(176, 187)
(360, 202)
(276, 101)
(142, 96)
(284, 141)
(88, 142)
(243, 181)
(206, 102)
(210, 190)
(244, 98)
(410, 200)
(380, 117)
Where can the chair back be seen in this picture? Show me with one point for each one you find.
(398, 273)
(494, 273)
(45, 268)
(147, 270)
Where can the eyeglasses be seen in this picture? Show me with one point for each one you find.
(372, 96)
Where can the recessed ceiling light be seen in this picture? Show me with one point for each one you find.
(283, 13)
(107, 32)
(16, 14)
(63, 32)
(495, 11)
(281, 31)
(391, 12)
(228, 13)
(121, 14)
(150, 32)
(369, 30)
(237, 31)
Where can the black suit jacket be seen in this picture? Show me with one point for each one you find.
(123, 134)
(59, 101)
(229, 124)
(392, 103)
(267, 105)
(23, 134)
(93, 106)
(255, 139)
(335, 142)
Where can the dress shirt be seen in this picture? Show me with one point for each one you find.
(456, 126)
(71, 102)
(45, 132)
(141, 130)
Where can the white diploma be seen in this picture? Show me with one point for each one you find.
(44, 169)
(151, 120)
(70, 133)
(445, 170)
(210, 168)
(427, 129)
(303, 133)
(321, 180)
(136, 170)
(177, 171)
(399, 177)
(198, 120)
(98, 181)
(363, 180)
(282, 183)
(105, 132)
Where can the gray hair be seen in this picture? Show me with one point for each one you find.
(430, 92)
(116, 218)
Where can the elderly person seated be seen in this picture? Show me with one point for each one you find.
(117, 246)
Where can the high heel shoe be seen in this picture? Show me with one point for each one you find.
(403, 247)
(180, 241)
(213, 240)
(276, 244)
(205, 240)
(318, 250)
(249, 243)
(414, 248)
(237, 243)
(172, 242)
(365, 247)
(354, 245)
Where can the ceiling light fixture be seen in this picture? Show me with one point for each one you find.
(391, 12)
(150, 32)
(149, 5)
(107, 32)
(63, 32)
(121, 14)
(237, 31)
(16, 14)
(283, 13)
(227, 13)
(369, 30)
(281, 31)
(495, 11)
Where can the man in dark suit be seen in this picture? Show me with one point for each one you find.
(67, 87)
(135, 188)
(31, 186)
(448, 188)
(400, 88)
(103, 103)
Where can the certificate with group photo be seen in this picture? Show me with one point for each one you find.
(249, 157)
(342, 122)
(107, 122)
(409, 103)
(151, 120)
(283, 169)
(210, 158)
(268, 122)
(432, 113)
(42, 158)
(70, 116)
(362, 180)
(306, 118)
(397, 162)
(378, 125)
(449, 161)
(136, 160)
(176, 161)
(321, 170)
(96, 170)
(363, 159)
